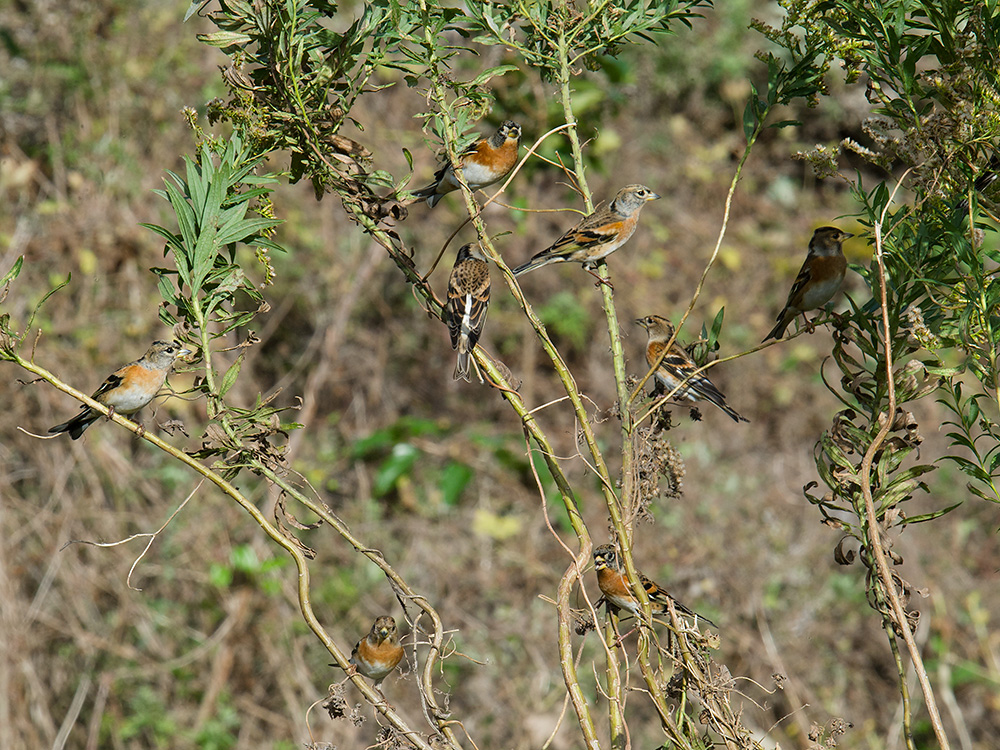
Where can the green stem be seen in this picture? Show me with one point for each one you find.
(611, 316)
(205, 338)
(616, 695)
(566, 99)
(659, 700)
(904, 691)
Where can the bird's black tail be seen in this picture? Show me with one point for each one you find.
(76, 426)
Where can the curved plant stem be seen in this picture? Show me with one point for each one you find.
(874, 533)
(290, 546)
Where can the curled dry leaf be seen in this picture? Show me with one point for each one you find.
(841, 555)
(584, 621)
(336, 704)
(279, 515)
(172, 426)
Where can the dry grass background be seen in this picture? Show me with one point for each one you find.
(211, 652)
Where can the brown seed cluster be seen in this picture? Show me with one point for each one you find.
(659, 468)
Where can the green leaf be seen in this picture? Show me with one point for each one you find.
(238, 321)
(932, 515)
(979, 492)
(229, 379)
(13, 272)
(223, 39)
(372, 444)
(399, 463)
(197, 181)
(220, 575)
(455, 477)
(489, 73)
(173, 240)
(225, 281)
(167, 289)
(713, 334)
(194, 7)
(267, 244)
(244, 558)
(240, 230)
(41, 302)
(750, 114)
(379, 178)
(208, 190)
(186, 220)
(785, 124)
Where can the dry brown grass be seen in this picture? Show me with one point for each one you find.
(188, 662)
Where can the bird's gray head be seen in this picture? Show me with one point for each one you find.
(631, 198)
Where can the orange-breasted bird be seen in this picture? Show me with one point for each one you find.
(485, 162)
(597, 235)
(678, 370)
(128, 388)
(614, 585)
(819, 279)
(379, 652)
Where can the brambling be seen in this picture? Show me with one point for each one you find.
(128, 388)
(484, 163)
(379, 652)
(819, 279)
(468, 303)
(617, 592)
(597, 235)
(677, 370)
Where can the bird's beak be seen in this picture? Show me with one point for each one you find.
(640, 322)
(183, 352)
(652, 196)
(846, 235)
(384, 632)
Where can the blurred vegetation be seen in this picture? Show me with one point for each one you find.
(319, 379)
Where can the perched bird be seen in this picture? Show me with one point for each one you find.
(615, 587)
(484, 163)
(598, 234)
(677, 367)
(129, 388)
(468, 303)
(379, 652)
(819, 279)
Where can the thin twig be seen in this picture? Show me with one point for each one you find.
(152, 537)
